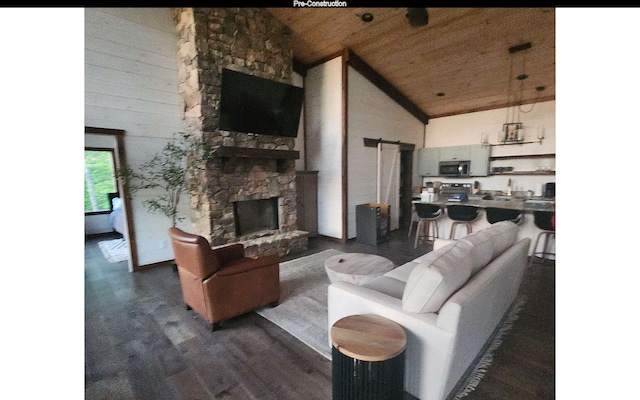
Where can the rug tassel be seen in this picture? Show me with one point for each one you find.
(480, 369)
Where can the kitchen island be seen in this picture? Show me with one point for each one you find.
(513, 203)
(527, 227)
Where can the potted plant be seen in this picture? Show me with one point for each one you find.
(172, 171)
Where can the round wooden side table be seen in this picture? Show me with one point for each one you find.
(367, 358)
(356, 268)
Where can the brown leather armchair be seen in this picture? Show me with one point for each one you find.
(222, 283)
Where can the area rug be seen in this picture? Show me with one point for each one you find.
(115, 250)
(303, 313)
(302, 310)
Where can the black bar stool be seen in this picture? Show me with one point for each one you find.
(428, 215)
(461, 215)
(495, 214)
(545, 220)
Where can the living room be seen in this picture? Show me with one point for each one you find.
(144, 137)
(346, 175)
(369, 110)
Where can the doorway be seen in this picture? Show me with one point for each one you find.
(395, 181)
(114, 138)
(389, 181)
(405, 189)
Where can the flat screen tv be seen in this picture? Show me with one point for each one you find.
(250, 104)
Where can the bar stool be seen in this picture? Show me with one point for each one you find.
(461, 215)
(414, 218)
(495, 214)
(428, 215)
(545, 220)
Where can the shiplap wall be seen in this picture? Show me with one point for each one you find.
(131, 83)
(373, 114)
(323, 103)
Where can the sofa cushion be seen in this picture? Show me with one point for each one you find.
(439, 274)
(402, 272)
(489, 243)
(389, 286)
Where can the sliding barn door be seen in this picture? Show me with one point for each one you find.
(389, 180)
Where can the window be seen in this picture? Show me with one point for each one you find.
(99, 179)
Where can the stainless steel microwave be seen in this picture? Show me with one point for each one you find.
(454, 168)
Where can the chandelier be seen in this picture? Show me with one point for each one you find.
(512, 130)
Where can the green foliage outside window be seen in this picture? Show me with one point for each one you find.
(99, 180)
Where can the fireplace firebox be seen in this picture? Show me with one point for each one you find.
(255, 216)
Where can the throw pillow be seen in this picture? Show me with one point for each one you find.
(436, 278)
(490, 242)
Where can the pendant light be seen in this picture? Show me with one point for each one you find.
(512, 131)
(512, 128)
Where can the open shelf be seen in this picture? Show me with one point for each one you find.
(281, 156)
(247, 152)
(524, 173)
(516, 157)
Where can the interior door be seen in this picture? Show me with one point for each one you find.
(389, 180)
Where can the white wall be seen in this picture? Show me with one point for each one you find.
(323, 104)
(131, 83)
(298, 80)
(373, 114)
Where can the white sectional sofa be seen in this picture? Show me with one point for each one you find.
(449, 301)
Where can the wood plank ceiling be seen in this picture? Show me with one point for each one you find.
(462, 53)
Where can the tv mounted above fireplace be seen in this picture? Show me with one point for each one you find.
(250, 104)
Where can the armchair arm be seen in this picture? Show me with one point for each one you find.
(245, 264)
(228, 253)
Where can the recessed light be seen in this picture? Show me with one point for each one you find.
(367, 17)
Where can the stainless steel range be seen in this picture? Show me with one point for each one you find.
(448, 189)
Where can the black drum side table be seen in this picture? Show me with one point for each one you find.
(367, 358)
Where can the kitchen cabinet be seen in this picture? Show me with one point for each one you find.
(428, 161)
(307, 201)
(479, 157)
(455, 153)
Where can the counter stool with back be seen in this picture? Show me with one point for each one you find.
(545, 220)
(428, 215)
(494, 215)
(461, 215)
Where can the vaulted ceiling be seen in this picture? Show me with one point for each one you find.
(460, 62)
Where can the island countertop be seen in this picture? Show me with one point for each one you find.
(523, 204)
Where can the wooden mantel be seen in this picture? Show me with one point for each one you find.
(281, 156)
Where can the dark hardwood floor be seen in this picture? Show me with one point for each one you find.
(141, 342)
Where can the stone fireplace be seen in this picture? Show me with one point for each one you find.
(247, 169)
